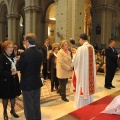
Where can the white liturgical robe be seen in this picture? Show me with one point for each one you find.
(85, 75)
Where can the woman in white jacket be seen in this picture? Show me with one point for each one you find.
(64, 68)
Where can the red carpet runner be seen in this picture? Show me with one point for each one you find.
(92, 111)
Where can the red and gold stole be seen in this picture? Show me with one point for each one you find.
(91, 71)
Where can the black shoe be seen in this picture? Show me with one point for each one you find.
(107, 87)
(5, 116)
(14, 114)
(65, 99)
(58, 92)
(112, 86)
(56, 88)
(51, 90)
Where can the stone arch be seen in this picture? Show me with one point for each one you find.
(48, 4)
(44, 12)
(51, 22)
(48, 10)
(3, 10)
(13, 6)
(4, 2)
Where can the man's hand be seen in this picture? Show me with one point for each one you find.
(14, 72)
(20, 51)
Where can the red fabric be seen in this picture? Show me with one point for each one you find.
(74, 83)
(91, 71)
(90, 111)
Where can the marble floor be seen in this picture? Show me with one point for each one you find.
(57, 108)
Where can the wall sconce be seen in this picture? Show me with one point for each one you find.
(98, 29)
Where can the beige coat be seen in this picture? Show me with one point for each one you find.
(64, 64)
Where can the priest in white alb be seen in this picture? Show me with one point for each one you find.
(84, 77)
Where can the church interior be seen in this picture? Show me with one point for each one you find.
(61, 20)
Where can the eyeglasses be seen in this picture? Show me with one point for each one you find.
(9, 47)
(56, 48)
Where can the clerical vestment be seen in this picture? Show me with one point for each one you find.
(84, 77)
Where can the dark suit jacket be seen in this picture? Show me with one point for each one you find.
(51, 63)
(29, 65)
(44, 50)
(111, 58)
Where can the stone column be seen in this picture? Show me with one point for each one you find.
(2, 30)
(40, 28)
(105, 13)
(30, 21)
(63, 19)
(10, 27)
(35, 12)
(69, 19)
(13, 27)
(18, 30)
(77, 18)
(46, 28)
(14, 32)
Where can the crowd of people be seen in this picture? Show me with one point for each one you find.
(59, 63)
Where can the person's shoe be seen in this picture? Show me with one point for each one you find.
(58, 92)
(112, 86)
(65, 99)
(5, 116)
(14, 114)
(51, 90)
(107, 87)
(56, 88)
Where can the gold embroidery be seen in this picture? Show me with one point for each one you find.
(91, 71)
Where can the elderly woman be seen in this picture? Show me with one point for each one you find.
(9, 82)
(64, 68)
(52, 66)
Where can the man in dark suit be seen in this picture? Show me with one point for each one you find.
(45, 48)
(111, 64)
(29, 65)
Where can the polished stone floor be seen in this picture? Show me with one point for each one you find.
(57, 108)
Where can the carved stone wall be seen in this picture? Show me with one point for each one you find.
(102, 14)
(71, 19)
